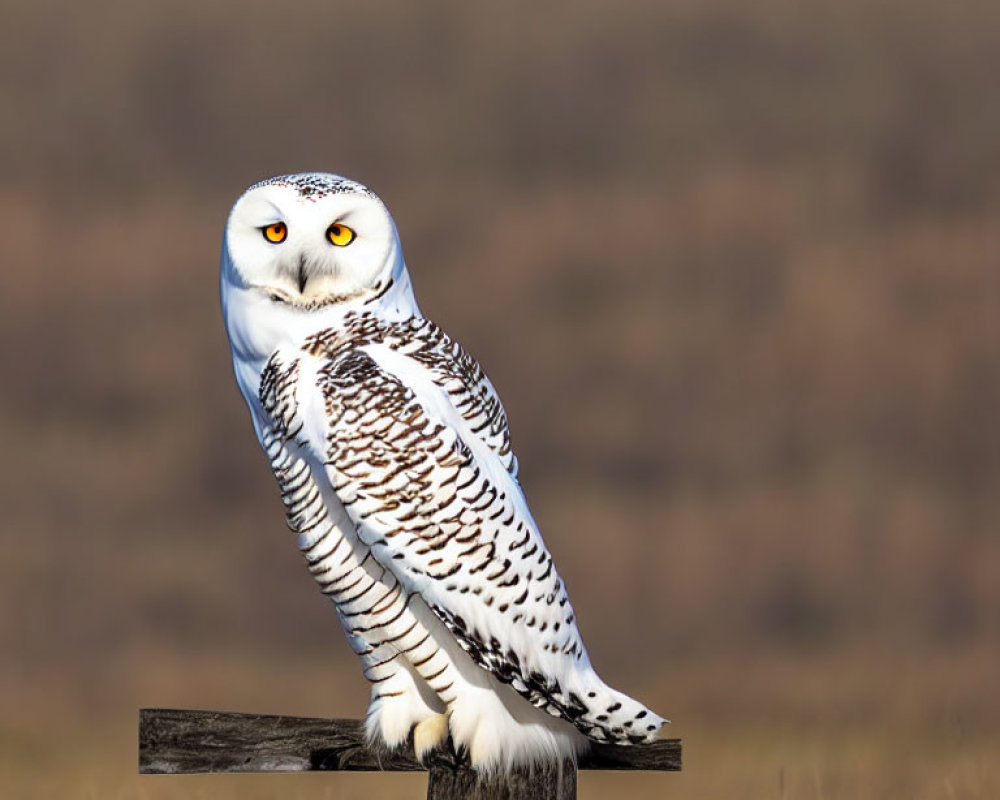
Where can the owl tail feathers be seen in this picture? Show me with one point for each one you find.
(605, 715)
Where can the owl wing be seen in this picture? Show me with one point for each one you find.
(439, 506)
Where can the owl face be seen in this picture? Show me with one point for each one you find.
(311, 241)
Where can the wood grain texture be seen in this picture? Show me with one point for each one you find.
(663, 755)
(173, 741)
(182, 741)
(548, 782)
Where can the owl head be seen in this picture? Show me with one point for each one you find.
(300, 252)
(310, 241)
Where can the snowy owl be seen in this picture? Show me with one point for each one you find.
(394, 461)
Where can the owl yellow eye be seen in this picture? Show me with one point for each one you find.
(276, 233)
(340, 235)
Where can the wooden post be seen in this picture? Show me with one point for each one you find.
(549, 782)
(178, 742)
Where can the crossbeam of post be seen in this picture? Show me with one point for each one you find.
(173, 741)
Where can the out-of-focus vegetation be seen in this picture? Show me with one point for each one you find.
(734, 267)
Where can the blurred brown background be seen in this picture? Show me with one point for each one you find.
(734, 267)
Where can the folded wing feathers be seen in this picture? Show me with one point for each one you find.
(437, 519)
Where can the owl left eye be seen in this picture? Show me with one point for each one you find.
(340, 234)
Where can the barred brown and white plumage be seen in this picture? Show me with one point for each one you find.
(393, 455)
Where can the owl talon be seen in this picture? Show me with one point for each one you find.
(446, 755)
(430, 734)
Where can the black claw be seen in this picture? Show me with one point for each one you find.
(447, 756)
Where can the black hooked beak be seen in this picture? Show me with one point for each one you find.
(302, 277)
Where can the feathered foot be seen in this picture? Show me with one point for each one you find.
(429, 734)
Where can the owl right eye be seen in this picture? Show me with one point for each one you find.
(276, 233)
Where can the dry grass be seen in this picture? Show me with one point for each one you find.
(784, 726)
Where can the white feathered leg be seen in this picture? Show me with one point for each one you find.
(486, 718)
(397, 704)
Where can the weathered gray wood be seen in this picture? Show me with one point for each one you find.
(183, 741)
(548, 782)
(180, 741)
(663, 755)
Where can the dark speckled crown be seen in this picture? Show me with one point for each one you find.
(316, 185)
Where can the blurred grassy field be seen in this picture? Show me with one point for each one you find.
(734, 268)
(832, 725)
